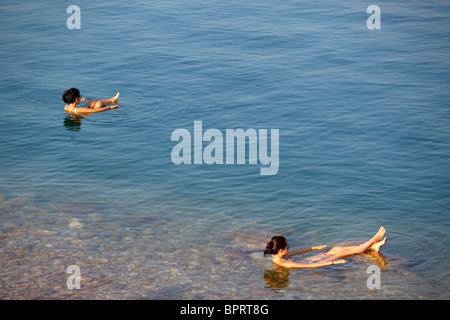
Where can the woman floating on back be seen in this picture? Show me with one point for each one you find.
(279, 247)
(72, 97)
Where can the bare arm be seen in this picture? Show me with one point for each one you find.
(297, 251)
(92, 110)
(291, 264)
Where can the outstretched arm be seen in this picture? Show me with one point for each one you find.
(290, 264)
(301, 250)
(92, 110)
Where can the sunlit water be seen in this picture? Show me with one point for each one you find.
(364, 141)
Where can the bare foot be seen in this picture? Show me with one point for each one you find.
(115, 98)
(376, 247)
(379, 235)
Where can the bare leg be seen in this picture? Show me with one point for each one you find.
(99, 103)
(340, 252)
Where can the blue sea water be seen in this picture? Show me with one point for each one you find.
(364, 124)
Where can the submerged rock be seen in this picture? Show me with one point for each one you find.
(75, 224)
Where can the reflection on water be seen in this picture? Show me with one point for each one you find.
(277, 277)
(377, 258)
(72, 122)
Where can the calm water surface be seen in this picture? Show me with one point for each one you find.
(364, 124)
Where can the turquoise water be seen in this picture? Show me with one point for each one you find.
(363, 117)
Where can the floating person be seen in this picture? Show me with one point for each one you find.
(279, 247)
(72, 98)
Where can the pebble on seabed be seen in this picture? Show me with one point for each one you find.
(76, 224)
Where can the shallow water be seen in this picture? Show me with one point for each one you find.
(364, 129)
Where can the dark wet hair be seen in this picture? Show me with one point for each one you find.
(70, 95)
(275, 244)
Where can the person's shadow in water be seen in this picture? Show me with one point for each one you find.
(72, 122)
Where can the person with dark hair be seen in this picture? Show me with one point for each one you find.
(72, 98)
(279, 248)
